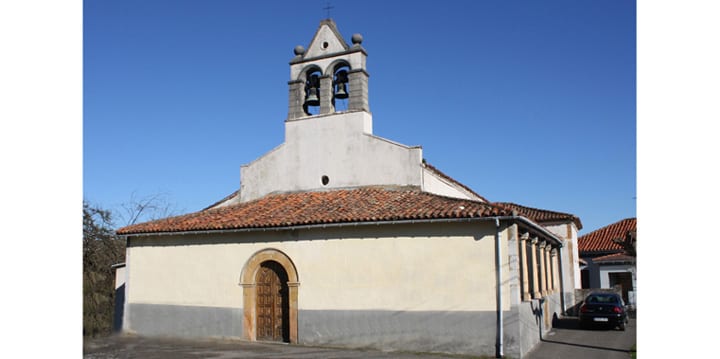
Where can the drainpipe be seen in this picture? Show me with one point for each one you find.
(561, 274)
(498, 292)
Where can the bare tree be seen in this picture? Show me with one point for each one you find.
(146, 208)
(101, 249)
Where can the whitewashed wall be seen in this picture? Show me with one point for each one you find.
(339, 146)
(370, 269)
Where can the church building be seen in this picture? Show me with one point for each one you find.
(338, 237)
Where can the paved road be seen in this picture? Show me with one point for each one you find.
(123, 347)
(567, 340)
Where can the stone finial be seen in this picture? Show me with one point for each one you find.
(299, 50)
(357, 39)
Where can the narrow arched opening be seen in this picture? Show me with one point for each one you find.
(341, 88)
(311, 104)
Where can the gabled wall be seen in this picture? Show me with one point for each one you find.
(338, 147)
(436, 184)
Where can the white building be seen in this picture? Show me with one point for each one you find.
(339, 237)
(607, 263)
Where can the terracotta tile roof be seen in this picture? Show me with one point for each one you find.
(614, 258)
(601, 240)
(367, 204)
(540, 215)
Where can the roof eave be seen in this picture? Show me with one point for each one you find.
(521, 219)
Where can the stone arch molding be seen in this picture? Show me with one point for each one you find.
(247, 281)
(326, 70)
(302, 76)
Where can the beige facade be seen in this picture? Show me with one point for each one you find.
(370, 269)
(435, 270)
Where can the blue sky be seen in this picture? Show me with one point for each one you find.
(532, 102)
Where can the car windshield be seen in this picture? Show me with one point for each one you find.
(602, 299)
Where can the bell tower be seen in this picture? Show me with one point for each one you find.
(329, 143)
(329, 77)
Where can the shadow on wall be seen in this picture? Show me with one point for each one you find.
(119, 308)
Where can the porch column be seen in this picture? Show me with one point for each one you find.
(555, 277)
(524, 261)
(548, 269)
(533, 267)
(543, 269)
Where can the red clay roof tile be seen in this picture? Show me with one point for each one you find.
(601, 240)
(617, 257)
(540, 215)
(340, 206)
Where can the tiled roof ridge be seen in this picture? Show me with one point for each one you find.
(362, 204)
(527, 211)
(615, 257)
(533, 208)
(226, 198)
(445, 176)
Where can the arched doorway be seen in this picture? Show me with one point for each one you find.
(270, 293)
(272, 303)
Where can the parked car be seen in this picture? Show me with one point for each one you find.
(606, 309)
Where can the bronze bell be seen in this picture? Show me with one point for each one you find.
(341, 84)
(313, 83)
(341, 92)
(312, 97)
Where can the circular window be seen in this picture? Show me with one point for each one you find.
(325, 45)
(325, 180)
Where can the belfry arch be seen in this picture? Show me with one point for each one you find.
(248, 280)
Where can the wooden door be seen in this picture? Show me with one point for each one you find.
(624, 279)
(272, 305)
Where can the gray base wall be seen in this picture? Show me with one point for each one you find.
(427, 331)
(184, 321)
(468, 332)
(534, 321)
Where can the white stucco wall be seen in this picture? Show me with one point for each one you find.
(339, 146)
(399, 268)
(604, 272)
(435, 184)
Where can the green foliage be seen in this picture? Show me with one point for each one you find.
(101, 249)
